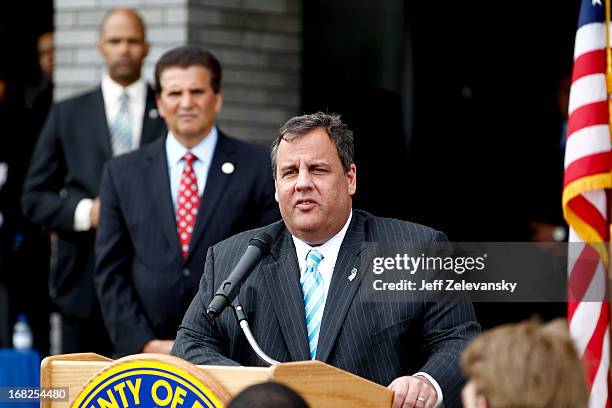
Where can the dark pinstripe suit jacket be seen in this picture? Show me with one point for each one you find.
(376, 340)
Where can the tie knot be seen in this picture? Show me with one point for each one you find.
(124, 97)
(313, 258)
(189, 158)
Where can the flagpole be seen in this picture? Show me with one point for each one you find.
(608, 192)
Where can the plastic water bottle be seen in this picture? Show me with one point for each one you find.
(22, 334)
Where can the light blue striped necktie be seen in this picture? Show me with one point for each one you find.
(121, 128)
(314, 298)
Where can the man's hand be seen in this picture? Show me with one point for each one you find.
(158, 346)
(413, 391)
(95, 212)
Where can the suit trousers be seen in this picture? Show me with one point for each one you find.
(88, 335)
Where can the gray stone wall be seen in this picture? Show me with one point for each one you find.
(259, 44)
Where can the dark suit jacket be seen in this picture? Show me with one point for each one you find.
(143, 283)
(66, 167)
(376, 340)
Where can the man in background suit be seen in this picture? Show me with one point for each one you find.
(164, 205)
(320, 312)
(61, 188)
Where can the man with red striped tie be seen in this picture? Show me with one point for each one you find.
(163, 206)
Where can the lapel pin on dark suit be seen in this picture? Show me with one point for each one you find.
(227, 168)
(352, 275)
(153, 114)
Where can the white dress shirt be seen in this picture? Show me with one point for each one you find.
(330, 250)
(137, 100)
(203, 151)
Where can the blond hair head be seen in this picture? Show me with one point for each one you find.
(526, 365)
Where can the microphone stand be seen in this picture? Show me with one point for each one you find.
(241, 318)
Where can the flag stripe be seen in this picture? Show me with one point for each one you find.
(588, 89)
(597, 198)
(584, 269)
(572, 306)
(574, 251)
(589, 213)
(586, 142)
(594, 348)
(594, 295)
(589, 63)
(590, 37)
(587, 115)
(587, 166)
(601, 382)
(582, 324)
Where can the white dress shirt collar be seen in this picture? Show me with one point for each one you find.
(329, 250)
(203, 150)
(137, 97)
(112, 90)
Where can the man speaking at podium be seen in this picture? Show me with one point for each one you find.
(302, 299)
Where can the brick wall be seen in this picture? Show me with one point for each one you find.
(258, 42)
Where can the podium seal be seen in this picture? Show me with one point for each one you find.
(151, 380)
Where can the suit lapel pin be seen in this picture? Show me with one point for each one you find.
(153, 114)
(227, 168)
(352, 274)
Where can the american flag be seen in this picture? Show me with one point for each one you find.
(588, 167)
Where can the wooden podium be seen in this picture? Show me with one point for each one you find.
(320, 384)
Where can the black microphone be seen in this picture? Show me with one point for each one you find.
(259, 246)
